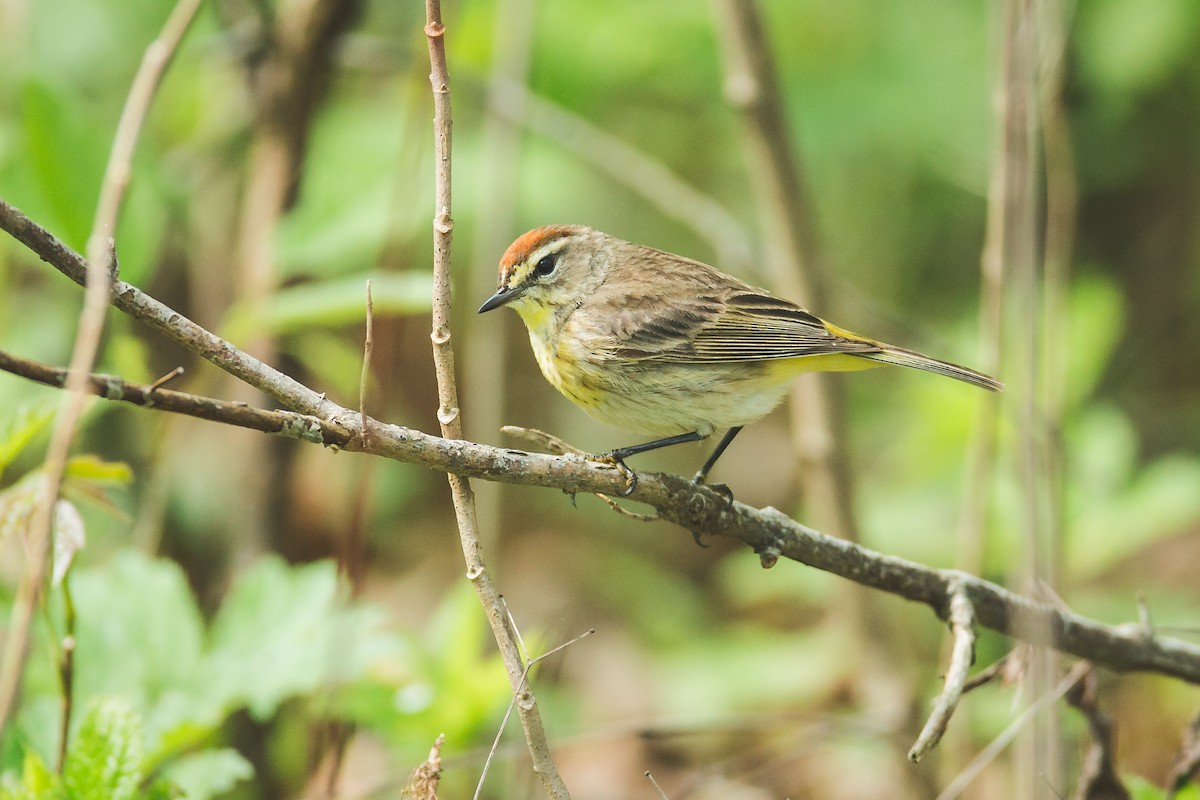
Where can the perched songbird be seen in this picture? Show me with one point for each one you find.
(663, 345)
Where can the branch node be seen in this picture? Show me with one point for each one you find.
(741, 90)
(114, 387)
(447, 415)
(435, 29)
(768, 553)
(440, 336)
(443, 223)
(474, 572)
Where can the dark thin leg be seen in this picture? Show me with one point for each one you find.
(716, 453)
(633, 449)
(617, 457)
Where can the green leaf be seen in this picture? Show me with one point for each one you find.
(1096, 321)
(281, 632)
(68, 157)
(1142, 789)
(97, 470)
(37, 782)
(343, 301)
(139, 635)
(333, 304)
(105, 760)
(20, 429)
(208, 773)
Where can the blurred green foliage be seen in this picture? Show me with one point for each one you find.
(214, 635)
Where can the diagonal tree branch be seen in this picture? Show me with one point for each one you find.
(128, 298)
(769, 532)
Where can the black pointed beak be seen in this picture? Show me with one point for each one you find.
(502, 296)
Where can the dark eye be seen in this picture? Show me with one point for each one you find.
(546, 264)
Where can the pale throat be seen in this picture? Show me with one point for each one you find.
(539, 318)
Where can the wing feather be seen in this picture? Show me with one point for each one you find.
(722, 324)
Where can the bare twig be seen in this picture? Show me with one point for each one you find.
(283, 423)
(654, 783)
(100, 262)
(165, 379)
(450, 418)
(696, 508)
(640, 172)
(146, 81)
(792, 253)
(962, 624)
(985, 756)
(66, 670)
(368, 349)
(1187, 761)
(553, 444)
(1098, 777)
(546, 441)
(1006, 669)
(282, 388)
(1038, 758)
(520, 695)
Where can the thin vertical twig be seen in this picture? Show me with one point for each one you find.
(101, 259)
(1038, 758)
(1061, 199)
(66, 671)
(288, 75)
(792, 253)
(752, 86)
(332, 736)
(625, 164)
(499, 171)
(982, 448)
(450, 418)
(368, 350)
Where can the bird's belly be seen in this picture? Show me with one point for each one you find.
(666, 399)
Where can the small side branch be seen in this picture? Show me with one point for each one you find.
(985, 756)
(1187, 762)
(284, 389)
(282, 423)
(962, 625)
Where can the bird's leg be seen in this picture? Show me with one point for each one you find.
(700, 476)
(716, 453)
(617, 457)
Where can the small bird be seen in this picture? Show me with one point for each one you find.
(656, 343)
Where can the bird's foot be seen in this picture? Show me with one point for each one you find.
(631, 479)
(720, 488)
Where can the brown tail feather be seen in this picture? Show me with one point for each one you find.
(909, 358)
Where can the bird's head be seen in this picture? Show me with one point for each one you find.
(548, 269)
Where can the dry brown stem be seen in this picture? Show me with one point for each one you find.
(100, 264)
(450, 418)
